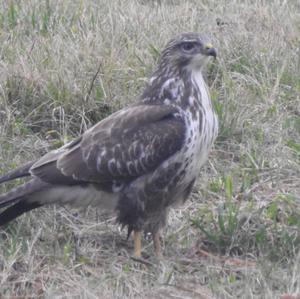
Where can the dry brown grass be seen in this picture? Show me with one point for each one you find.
(65, 65)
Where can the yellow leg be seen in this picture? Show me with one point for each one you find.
(137, 237)
(156, 243)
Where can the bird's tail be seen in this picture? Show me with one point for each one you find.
(16, 210)
(17, 173)
(19, 200)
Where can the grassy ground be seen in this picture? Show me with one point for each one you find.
(65, 65)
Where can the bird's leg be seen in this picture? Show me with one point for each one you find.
(156, 243)
(137, 238)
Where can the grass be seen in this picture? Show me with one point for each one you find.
(64, 65)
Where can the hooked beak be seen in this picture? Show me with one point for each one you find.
(210, 50)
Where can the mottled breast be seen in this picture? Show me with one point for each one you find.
(201, 131)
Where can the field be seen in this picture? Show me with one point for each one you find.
(64, 65)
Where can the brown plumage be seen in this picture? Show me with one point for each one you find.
(140, 160)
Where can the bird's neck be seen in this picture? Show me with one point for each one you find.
(172, 86)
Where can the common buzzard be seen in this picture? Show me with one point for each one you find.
(140, 160)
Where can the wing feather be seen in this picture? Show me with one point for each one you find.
(128, 144)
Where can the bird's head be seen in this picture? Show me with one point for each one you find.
(187, 51)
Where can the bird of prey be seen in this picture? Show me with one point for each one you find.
(139, 161)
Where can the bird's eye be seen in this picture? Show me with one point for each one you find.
(187, 47)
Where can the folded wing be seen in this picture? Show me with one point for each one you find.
(126, 145)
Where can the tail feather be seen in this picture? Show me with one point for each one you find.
(16, 210)
(17, 193)
(17, 173)
(20, 200)
(21, 191)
